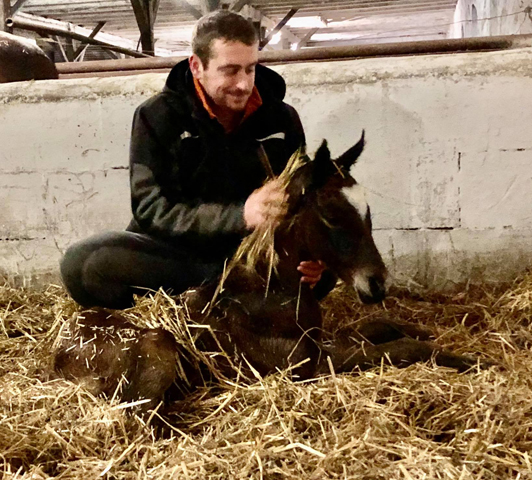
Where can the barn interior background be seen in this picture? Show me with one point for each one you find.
(443, 90)
(447, 166)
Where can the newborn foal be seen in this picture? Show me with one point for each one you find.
(260, 314)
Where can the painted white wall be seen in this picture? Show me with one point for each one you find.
(483, 18)
(448, 163)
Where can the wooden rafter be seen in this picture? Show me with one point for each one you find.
(61, 48)
(306, 38)
(278, 27)
(15, 8)
(190, 9)
(83, 46)
(209, 5)
(145, 14)
(69, 47)
(258, 16)
(5, 13)
(238, 5)
(44, 25)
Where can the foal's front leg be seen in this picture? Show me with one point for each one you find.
(383, 330)
(401, 353)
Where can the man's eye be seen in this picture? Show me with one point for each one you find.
(229, 72)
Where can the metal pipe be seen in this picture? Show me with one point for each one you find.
(121, 73)
(37, 26)
(127, 64)
(317, 54)
(450, 45)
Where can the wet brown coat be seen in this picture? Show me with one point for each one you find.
(264, 317)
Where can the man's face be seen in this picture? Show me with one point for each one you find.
(230, 75)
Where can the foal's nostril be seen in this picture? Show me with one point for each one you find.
(377, 289)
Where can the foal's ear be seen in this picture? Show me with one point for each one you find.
(324, 167)
(348, 159)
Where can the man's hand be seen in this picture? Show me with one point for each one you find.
(266, 204)
(311, 272)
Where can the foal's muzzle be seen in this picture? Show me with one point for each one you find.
(371, 289)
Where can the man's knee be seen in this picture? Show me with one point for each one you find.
(71, 268)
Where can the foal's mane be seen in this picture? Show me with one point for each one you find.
(258, 247)
(259, 244)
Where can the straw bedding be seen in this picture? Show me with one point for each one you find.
(421, 422)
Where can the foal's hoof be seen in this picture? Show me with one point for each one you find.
(462, 363)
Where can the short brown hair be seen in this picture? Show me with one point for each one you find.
(223, 24)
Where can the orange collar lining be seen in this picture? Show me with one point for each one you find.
(254, 102)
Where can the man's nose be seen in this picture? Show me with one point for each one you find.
(245, 82)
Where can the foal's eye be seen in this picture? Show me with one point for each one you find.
(342, 242)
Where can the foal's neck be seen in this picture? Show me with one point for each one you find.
(291, 249)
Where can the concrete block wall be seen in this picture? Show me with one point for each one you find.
(447, 168)
(484, 18)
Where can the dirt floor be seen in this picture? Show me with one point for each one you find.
(420, 422)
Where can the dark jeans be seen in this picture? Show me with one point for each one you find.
(107, 269)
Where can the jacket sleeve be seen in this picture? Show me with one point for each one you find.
(158, 213)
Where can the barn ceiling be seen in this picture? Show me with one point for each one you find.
(312, 23)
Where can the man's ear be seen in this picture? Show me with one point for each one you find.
(196, 67)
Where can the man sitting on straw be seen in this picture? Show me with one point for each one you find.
(200, 153)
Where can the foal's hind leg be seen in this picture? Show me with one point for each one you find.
(153, 367)
(383, 331)
(401, 353)
(107, 354)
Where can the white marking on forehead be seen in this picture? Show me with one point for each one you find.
(356, 194)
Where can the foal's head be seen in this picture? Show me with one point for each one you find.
(330, 217)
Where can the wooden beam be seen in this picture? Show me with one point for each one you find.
(306, 38)
(81, 56)
(5, 13)
(257, 15)
(210, 5)
(112, 55)
(69, 48)
(142, 11)
(239, 5)
(61, 48)
(68, 30)
(81, 49)
(278, 27)
(190, 9)
(15, 8)
(154, 10)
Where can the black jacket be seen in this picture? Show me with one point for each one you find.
(189, 179)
